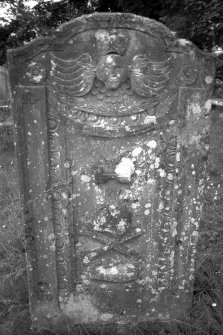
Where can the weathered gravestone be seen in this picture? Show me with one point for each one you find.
(4, 93)
(112, 137)
(6, 135)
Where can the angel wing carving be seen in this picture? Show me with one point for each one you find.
(148, 78)
(74, 77)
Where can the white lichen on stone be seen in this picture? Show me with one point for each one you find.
(51, 237)
(107, 271)
(135, 205)
(147, 205)
(157, 162)
(85, 178)
(208, 80)
(184, 42)
(86, 260)
(152, 144)
(150, 119)
(125, 169)
(162, 173)
(136, 152)
(161, 206)
(121, 226)
(207, 106)
(170, 176)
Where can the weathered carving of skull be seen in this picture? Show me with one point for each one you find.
(112, 70)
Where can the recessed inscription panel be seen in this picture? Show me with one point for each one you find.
(119, 197)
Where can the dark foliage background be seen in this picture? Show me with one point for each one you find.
(201, 21)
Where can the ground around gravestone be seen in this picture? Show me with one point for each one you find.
(206, 314)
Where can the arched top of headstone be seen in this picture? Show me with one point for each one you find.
(103, 21)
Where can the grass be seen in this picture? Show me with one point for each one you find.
(204, 318)
(13, 279)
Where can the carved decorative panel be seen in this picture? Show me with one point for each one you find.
(112, 133)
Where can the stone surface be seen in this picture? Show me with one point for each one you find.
(112, 132)
(6, 128)
(4, 92)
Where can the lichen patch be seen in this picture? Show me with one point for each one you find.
(125, 169)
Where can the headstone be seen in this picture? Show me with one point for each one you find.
(6, 132)
(4, 94)
(112, 125)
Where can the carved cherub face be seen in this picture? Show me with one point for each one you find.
(112, 70)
